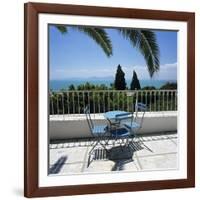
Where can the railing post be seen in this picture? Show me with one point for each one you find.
(136, 100)
(83, 94)
(73, 104)
(78, 102)
(93, 96)
(171, 101)
(158, 100)
(88, 93)
(104, 107)
(57, 104)
(51, 99)
(167, 100)
(63, 105)
(99, 106)
(175, 96)
(108, 101)
(68, 103)
(127, 102)
(118, 100)
(163, 100)
(150, 95)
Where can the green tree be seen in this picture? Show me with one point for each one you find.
(120, 83)
(149, 88)
(169, 86)
(144, 40)
(89, 86)
(135, 83)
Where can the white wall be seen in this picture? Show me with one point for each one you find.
(11, 101)
(78, 128)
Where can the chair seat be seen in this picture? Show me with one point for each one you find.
(131, 125)
(99, 130)
(120, 133)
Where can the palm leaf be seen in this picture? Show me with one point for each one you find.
(145, 41)
(62, 28)
(97, 34)
(100, 36)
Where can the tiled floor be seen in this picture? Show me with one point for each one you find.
(152, 152)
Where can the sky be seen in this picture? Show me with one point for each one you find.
(75, 55)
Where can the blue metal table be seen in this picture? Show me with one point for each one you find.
(112, 115)
(115, 116)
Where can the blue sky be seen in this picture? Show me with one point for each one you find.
(75, 55)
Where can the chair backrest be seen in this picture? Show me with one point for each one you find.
(142, 108)
(88, 117)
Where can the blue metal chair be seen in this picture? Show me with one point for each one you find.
(135, 123)
(97, 131)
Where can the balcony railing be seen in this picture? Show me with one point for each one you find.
(100, 101)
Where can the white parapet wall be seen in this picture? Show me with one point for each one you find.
(75, 125)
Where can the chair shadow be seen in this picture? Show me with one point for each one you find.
(120, 155)
(57, 166)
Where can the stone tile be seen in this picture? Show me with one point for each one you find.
(75, 154)
(166, 161)
(156, 147)
(175, 141)
(128, 165)
(71, 169)
(56, 154)
(98, 166)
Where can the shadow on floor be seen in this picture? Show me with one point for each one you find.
(120, 155)
(57, 166)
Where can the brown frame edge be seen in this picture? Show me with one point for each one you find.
(31, 188)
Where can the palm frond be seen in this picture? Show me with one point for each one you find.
(100, 36)
(146, 42)
(61, 28)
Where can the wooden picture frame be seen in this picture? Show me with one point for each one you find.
(31, 104)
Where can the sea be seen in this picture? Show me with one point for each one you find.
(57, 85)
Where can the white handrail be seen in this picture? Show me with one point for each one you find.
(73, 102)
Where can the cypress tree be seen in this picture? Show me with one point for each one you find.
(135, 83)
(120, 82)
(71, 87)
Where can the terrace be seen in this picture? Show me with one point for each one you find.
(155, 148)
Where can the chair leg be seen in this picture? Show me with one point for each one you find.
(106, 141)
(90, 152)
(127, 141)
(97, 142)
(103, 146)
(142, 143)
(88, 161)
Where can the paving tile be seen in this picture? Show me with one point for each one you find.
(127, 165)
(70, 169)
(166, 161)
(98, 166)
(175, 141)
(73, 155)
(156, 147)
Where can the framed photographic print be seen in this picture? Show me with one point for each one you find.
(109, 99)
